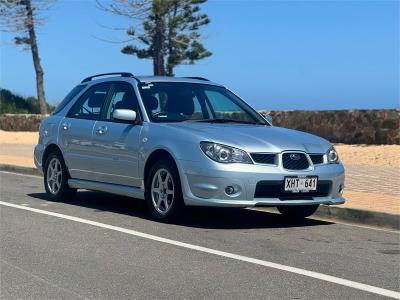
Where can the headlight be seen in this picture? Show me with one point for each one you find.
(332, 156)
(225, 154)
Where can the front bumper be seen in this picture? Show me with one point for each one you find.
(203, 184)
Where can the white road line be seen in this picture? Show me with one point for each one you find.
(316, 275)
(20, 174)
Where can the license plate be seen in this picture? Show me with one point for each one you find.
(301, 184)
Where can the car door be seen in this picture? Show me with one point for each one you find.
(76, 129)
(116, 142)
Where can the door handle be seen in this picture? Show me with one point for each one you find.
(101, 130)
(65, 126)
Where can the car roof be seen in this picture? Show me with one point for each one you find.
(156, 79)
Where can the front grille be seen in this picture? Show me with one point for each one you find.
(264, 158)
(276, 189)
(317, 158)
(295, 161)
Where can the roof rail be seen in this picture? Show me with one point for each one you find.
(123, 74)
(198, 78)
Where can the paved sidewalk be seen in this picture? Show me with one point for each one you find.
(17, 154)
(375, 188)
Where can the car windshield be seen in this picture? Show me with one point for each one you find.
(194, 102)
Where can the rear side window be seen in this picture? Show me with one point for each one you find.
(90, 103)
(71, 95)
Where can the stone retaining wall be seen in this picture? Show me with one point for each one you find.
(345, 126)
(338, 126)
(20, 122)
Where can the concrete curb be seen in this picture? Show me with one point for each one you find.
(350, 215)
(359, 216)
(20, 169)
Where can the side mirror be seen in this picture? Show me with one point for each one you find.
(268, 118)
(124, 115)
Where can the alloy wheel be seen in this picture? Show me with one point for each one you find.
(162, 191)
(54, 176)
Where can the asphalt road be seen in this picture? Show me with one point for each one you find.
(56, 256)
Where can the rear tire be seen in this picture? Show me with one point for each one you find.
(297, 212)
(56, 178)
(163, 192)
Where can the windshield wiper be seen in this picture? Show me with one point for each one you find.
(220, 120)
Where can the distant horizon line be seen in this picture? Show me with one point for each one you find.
(256, 107)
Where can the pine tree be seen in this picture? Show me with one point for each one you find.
(168, 31)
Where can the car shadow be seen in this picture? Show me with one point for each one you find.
(197, 217)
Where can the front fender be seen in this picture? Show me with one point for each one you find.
(158, 137)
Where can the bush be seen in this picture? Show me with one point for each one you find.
(15, 104)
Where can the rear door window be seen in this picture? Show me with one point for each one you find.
(90, 103)
(71, 95)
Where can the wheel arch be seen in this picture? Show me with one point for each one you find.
(155, 156)
(49, 149)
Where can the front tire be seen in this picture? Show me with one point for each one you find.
(163, 192)
(56, 178)
(297, 212)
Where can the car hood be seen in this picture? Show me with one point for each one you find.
(255, 138)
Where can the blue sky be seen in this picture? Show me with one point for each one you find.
(275, 54)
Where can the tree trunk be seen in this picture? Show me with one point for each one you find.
(170, 66)
(170, 70)
(171, 32)
(35, 55)
(158, 53)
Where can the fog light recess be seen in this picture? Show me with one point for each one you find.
(232, 190)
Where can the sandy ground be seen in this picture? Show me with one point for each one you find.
(18, 137)
(384, 155)
(367, 155)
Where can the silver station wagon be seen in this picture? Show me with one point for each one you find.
(177, 142)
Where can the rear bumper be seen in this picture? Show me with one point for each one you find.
(38, 155)
(204, 184)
